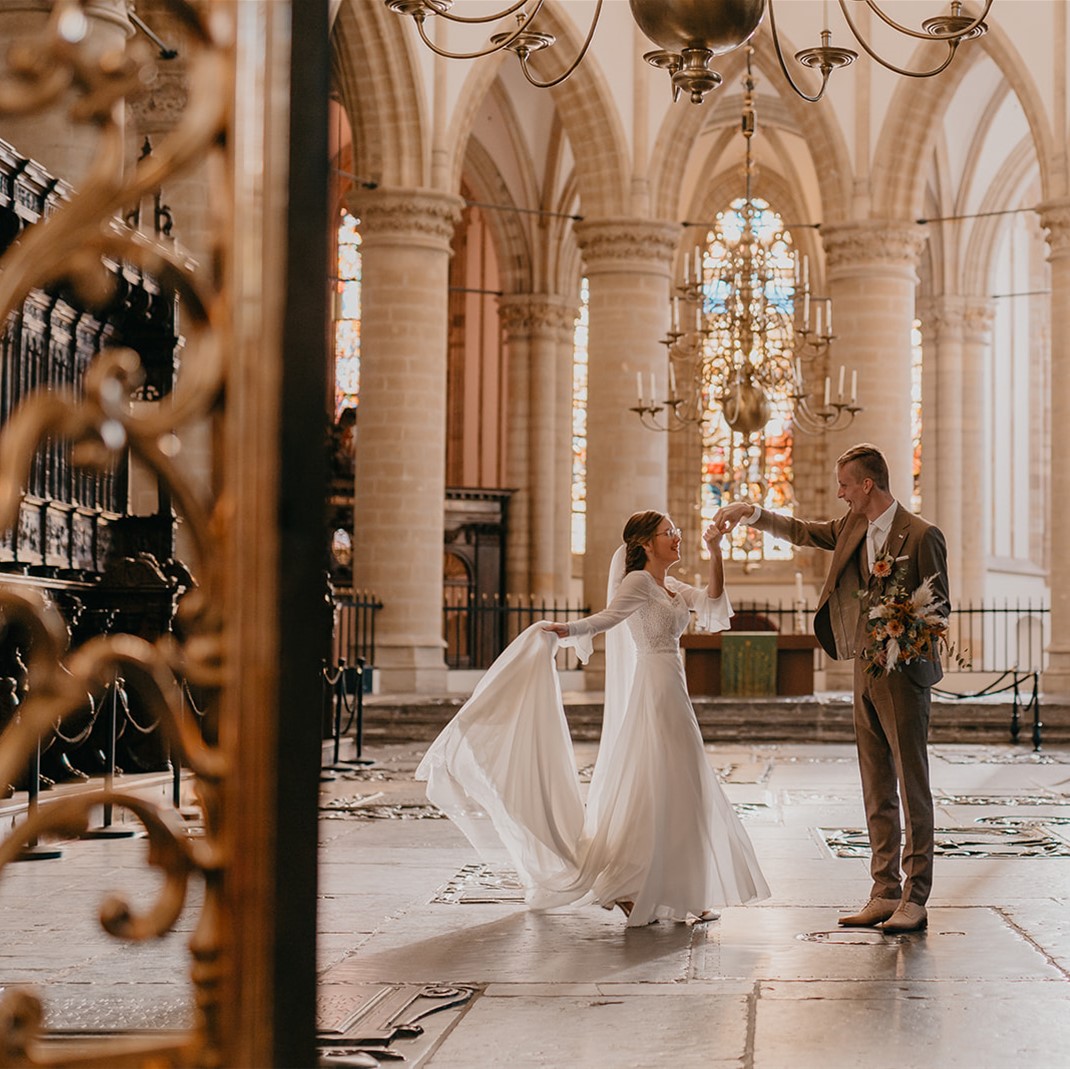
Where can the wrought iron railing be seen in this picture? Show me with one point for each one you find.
(354, 627)
(477, 632)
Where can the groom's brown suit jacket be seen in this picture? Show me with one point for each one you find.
(839, 623)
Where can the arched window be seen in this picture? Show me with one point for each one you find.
(347, 317)
(757, 466)
(579, 423)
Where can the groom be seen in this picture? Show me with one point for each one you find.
(891, 709)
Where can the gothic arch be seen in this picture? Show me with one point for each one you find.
(377, 79)
(586, 109)
(814, 122)
(906, 138)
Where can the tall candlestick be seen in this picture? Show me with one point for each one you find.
(798, 587)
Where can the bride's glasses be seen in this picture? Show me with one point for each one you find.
(672, 532)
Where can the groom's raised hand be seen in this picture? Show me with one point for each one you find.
(729, 516)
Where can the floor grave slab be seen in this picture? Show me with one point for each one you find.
(478, 884)
(391, 1022)
(908, 1025)
(1029, 841)
(788, 943)
(678, 1027)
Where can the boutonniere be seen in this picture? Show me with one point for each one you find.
(886, 569)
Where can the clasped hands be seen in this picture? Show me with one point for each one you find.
(728, 517)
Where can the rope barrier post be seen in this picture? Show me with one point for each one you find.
(32, 851)
(361, 760)
(175, 756)
(105, 830)
(329, 682)
(1016, 724)
(339, 686)
(1035, 702)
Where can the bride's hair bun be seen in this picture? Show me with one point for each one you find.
(640, 528)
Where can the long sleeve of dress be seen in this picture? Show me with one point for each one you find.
(711, 614)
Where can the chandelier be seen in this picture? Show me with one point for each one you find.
(690, 34)
(746, 328)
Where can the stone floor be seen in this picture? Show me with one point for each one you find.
(428, 957)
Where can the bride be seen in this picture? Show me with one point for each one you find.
(658, 838)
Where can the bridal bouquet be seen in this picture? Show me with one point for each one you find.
(902, 627)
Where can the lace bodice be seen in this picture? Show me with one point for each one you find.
(655, 618)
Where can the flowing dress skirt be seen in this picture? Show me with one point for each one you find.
(658, 829)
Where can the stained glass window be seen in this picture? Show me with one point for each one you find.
(579, 423)
(915, 413)
(347, 317)
(757, 467)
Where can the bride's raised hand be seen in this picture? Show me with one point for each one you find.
(561, 630)
(712, 537)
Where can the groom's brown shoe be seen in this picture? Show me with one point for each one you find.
(909, 917)
(874, 912)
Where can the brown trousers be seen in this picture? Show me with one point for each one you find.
(891, 719)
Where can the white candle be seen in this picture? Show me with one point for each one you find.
(817, 318)
(843, 371)
(798, 587)
(672, 382)
(828, 315)
(806, 273)
(675, 316)
(639, 387)
(653, 390)
(806, 310)
(854, 385)
(828, 387)
(698, 265)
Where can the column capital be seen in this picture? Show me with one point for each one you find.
(980, 315)
(943, 316)
(1055, 218)
(423, 217)
(873, 243)
(537, 313)
(615, 246)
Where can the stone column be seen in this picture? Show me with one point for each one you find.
(628, 264)
(66, 149)
(534, 325)
(973, 555)
(1055, 218)
(399, 498)
(566, 346)
(944, 477)
(871, 270)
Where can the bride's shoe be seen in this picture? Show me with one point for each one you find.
(626, 907)
(706, 916)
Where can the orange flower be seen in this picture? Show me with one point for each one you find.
(882, 568)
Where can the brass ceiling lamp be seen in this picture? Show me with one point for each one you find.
(746, 328)
(691, 33)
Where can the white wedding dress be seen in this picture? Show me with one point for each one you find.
(657, 829)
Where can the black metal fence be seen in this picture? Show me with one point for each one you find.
(477, 632)
(993, 638)
(354, 628)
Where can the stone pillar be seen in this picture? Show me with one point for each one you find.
(871, 269)
(399, 499)
(944, 476)
(535, 324)
(566, 346)
(628, 264)
(1055, 218)
(66, 149)
(973, 555)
